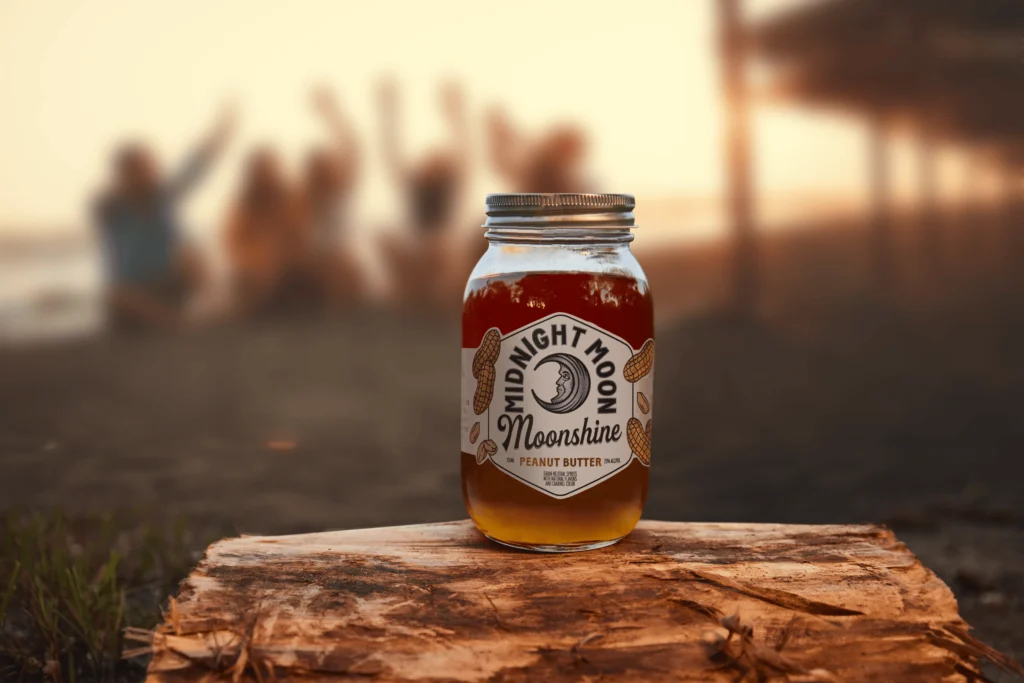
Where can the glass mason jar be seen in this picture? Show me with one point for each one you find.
(557, 374)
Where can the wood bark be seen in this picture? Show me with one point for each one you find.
(679, 602)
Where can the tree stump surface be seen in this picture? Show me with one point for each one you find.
(673, 601)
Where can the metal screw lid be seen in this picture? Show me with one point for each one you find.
(560, 210)
(567, 201)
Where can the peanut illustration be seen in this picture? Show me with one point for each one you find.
(639, 365)
(647, 430)
(487, 449)
(487, 352)
(641, 400)
(638, 440)
(484, 389)
(474, 432)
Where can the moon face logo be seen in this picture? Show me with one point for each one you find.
(572, 386)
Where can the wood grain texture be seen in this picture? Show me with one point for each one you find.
(680, 602)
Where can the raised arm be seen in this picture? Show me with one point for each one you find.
(453, 103)
(503, 144)
(346, 143)
(388, 102)
(199, 159)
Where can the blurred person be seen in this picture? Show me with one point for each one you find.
(152, 272)
(330, 176)
(552, 162)
(432, 188)
(266, 235)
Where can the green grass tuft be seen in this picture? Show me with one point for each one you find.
(69, 587)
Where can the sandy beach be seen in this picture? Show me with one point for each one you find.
(350, 422)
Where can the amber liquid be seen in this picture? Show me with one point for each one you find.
(507, 510)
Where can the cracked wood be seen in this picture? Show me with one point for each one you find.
(438, 602)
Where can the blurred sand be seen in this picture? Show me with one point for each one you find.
(880, 418)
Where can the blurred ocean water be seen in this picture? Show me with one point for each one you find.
(49, 290)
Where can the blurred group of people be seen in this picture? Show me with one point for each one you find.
(285, 239)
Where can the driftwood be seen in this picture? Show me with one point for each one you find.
(680, 602)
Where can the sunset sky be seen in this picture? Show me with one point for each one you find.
(641, 77)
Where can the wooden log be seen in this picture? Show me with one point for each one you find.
(679, 602)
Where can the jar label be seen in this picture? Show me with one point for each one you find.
(560, 404)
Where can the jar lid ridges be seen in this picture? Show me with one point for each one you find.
(561, 201)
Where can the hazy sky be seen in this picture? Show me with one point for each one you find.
(641, 76)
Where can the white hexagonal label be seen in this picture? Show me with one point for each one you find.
(560, 405)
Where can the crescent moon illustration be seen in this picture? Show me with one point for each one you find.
(573, 385)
